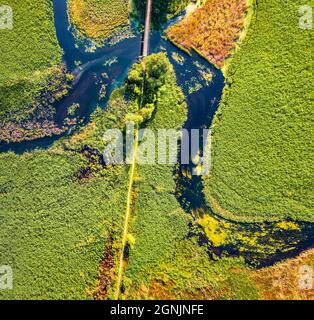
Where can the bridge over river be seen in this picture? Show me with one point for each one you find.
(146, 35)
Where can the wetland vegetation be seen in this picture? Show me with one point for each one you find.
(32, 74)
(212, 29)
(223, 236)
(262, 132)
(98, 19)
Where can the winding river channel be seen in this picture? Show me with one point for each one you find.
(115, 59)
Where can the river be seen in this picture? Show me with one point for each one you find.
(115, 60)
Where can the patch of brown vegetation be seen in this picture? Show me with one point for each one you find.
(282, 281)
(29, 130)
(167, 291)
(94, 163)
(161, 291)
(106, 274)
(212, 30)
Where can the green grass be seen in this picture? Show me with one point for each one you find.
(58, 212)
(262, 133)
(163, 262)
(59, 209)
(157, 213)
(30, 54)
(55, 228)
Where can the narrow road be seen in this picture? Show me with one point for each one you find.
(144, 53)
(148, 19)
(127, 218)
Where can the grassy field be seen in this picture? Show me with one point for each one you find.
(62, 214)
(99, 18)
(29, 55)
(163, 262)
(262, 132)
(55, 227)
(211, 30)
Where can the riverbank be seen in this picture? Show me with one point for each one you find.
(30, 80)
